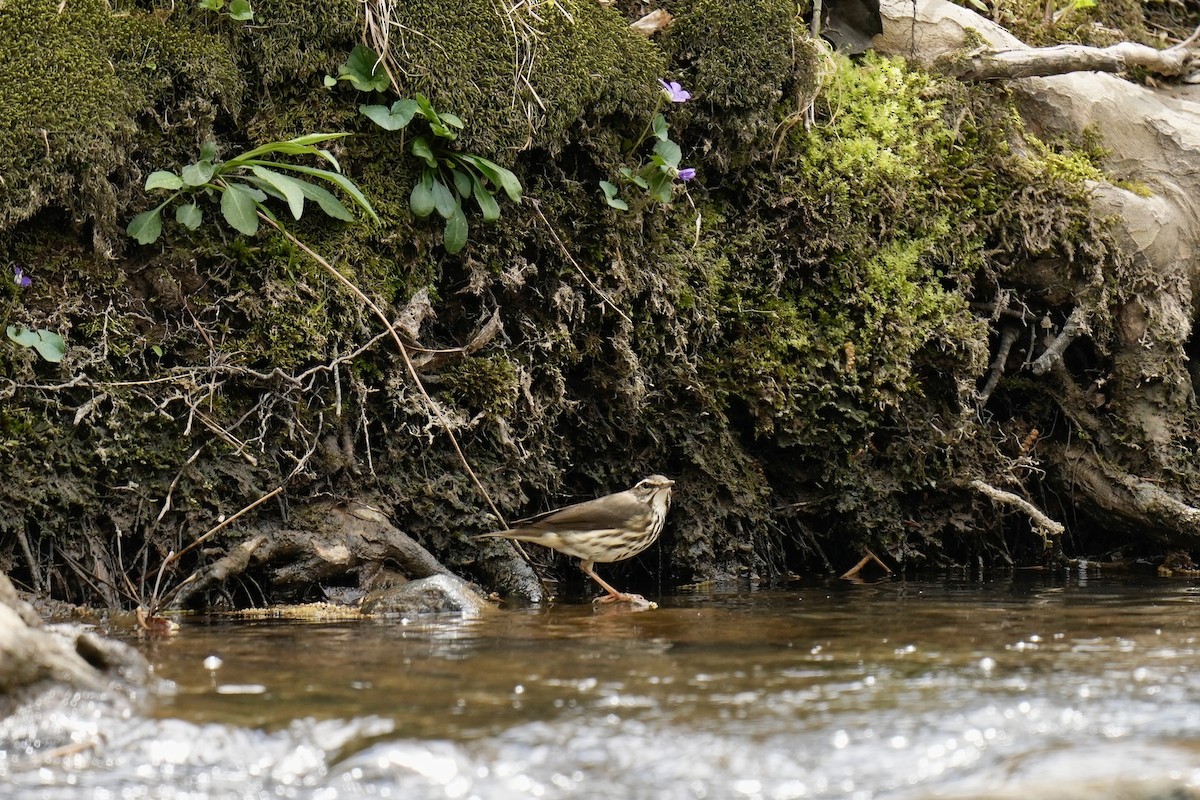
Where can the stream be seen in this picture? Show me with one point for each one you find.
(1040, 685)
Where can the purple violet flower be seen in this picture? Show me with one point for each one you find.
(674, 92)
(20, 278)
(687, 173)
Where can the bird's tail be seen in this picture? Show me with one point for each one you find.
(518, 534)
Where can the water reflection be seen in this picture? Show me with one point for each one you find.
(1052, 687)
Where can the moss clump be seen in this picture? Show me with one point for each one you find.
(522, 79)
(487, 384)
(84, 89)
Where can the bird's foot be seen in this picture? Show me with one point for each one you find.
(635, 600)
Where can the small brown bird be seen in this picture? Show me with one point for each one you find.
(610, 528)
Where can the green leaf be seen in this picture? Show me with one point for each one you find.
(393, 119)
(240, 10)
(660, 187)
(208, 151)
(426, 108)
(487, 203)
(286, 186)
(610, 196)
(420, 201)
(189, 216)
(240, 209)
(48, 344)
(455, 236)
(421, 149)
(364, 70)
(211, 5)
(326, 200)
(444, 200)
(158, 351)
(436, 123)
(669, 152)
(659, 127)
(462, 183)
(452, 120)
(199, 173)
(301, 145)
(337, 179)
(329, 81)
(497, 174)
(146, 226)
(163, 180)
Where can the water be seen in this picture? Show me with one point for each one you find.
(1034, 688)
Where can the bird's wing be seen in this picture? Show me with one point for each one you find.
(604, 512)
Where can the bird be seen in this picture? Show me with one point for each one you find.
(607, 529)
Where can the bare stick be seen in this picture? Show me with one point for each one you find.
(1045, 526)
(34, 572)
(982, 65)
(866, 559)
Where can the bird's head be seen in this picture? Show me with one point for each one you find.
(648, 487)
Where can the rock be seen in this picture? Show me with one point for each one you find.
(32, 653)
(433, 595)
(9, 597)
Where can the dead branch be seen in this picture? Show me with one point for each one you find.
(1075, 326)
(1008, 336)
(1045, 526)
(869, 558)
(336, 541)
(986, 65)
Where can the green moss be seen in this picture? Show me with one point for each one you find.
(1067, 22)
(82, 87)
(482, 383)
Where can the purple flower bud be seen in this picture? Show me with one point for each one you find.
(20, 278)
(687, 174)
(674, 92)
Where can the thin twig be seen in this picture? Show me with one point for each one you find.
(554, 235)
(1008, 336)
(1045, 526)
(211, 532)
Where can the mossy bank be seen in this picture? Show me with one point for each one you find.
(791, 337)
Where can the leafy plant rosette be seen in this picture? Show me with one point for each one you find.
(244, 183)
(449, 177)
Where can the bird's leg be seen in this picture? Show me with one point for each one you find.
(613, 595)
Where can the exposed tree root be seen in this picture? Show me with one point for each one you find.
(343, 542)
(985, 64)
(1141, 506)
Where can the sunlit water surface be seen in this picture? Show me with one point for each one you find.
(1040, 687)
